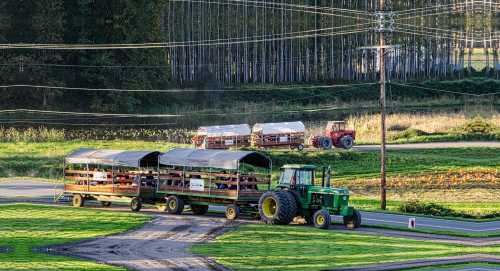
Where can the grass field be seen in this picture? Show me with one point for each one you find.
(263, 247)
(24, 227)
(44, 160)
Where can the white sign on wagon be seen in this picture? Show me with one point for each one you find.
(197, 184)
(229, 142)
(283, 138)
(99, 176)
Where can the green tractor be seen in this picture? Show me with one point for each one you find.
(297, 195)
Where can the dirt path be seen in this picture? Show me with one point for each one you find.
(162, 244)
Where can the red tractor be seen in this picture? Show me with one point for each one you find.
(335, 135)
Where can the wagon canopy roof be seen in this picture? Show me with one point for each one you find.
(279, 128)
(114, 157)
(213, 158)
(225, 130)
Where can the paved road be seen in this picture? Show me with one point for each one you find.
(28, 190)
(434, 145)
(34, 191)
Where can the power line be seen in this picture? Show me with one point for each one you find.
(180, 90)
(448, 91)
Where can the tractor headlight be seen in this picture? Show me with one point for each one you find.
(344, 198)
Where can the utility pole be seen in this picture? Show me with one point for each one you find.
(385, 24)
(383, 180)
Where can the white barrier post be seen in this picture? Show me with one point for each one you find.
(412, 223)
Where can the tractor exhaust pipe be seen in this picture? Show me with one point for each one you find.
(327, 176)
(323, 178)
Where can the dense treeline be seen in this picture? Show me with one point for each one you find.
(81, 21)
(318, 57)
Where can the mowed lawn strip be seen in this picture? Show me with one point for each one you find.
(359, 165)
(24, 227)
(269, 247)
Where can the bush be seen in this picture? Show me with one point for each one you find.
(409, 133)
(426, 208)
(477, 125)
(44, 134)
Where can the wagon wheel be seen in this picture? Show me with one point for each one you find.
(175, 205)
(232, 212)
(105, 203)
(78, 200)
(135, 204)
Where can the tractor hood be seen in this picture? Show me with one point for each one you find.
(329, 190)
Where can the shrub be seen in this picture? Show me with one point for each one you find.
(477, 125)
(426, 208)
(398, 127)
(409, 133)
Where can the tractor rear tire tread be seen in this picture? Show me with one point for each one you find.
(285, 209)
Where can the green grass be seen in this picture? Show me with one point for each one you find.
(45, 159)
(458, 267)
(266, 247)
(24, 227)
(350, 164)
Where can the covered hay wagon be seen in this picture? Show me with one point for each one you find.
(284, 134)
(222, 137)
(235, 179)
(111, 176)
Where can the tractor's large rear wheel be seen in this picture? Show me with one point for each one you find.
(277, 207)
(354, 221)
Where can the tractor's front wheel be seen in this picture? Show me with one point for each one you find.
(354, 221)
(322, 219)
(277, 208)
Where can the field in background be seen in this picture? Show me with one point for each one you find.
(402, 128)
(24, 227)
(423, 127)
